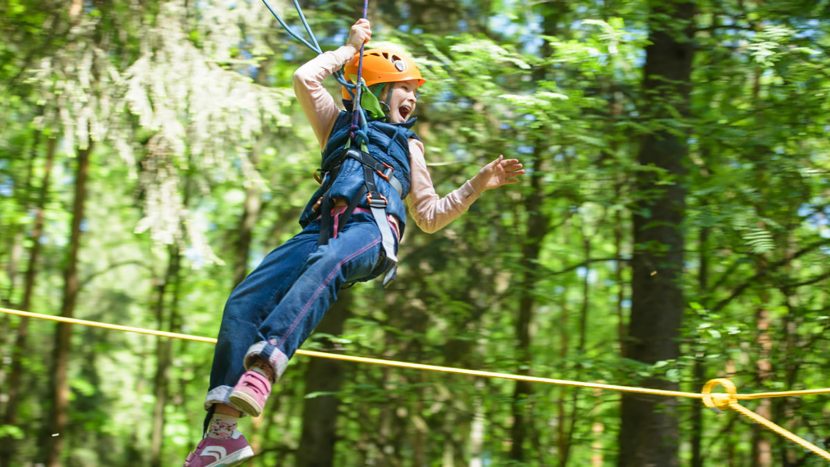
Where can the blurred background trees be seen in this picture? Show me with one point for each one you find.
(673, 227)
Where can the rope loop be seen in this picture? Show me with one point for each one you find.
(719, 400)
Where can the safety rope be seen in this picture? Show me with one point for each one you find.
(713, 400)
(313, 45)
(360, 122)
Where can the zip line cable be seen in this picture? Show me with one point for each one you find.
(714, 400)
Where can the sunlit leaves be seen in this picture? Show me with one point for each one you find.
(191, 104)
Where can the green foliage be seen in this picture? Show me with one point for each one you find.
(189, 111)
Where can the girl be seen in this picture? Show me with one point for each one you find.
(351, 228)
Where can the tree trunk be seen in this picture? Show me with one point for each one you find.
(564, 454)
(535, 232)
(247, 221)
(649, 432)
(56, 428)
(562, 432)
(699, 365)
(597, 448)
(167, 318)
(19, 350)
(319, 434)
(24, 197)
(761, 446)
(534, 235)
(477, 431)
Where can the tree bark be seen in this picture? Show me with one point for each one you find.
(649, 432)
(56, 428)
(319, 434)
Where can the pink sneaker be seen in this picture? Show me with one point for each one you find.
(250, 393)
(214, 452)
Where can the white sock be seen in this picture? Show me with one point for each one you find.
(222, 426)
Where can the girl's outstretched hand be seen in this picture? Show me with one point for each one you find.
(497, 173)
(360, 33)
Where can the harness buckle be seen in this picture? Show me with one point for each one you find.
(387, 171)
(380, 202)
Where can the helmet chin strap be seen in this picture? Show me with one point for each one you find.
(387, 104)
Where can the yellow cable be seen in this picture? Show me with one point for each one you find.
(491, 374)
(779, 430)
(115, 327)
(371, 361)
(728, 400)
(768, 395)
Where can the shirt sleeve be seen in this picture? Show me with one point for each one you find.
(318, 105)
(431, 212)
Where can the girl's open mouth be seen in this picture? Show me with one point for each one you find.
(404, 111)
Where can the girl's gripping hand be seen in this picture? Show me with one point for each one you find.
(360, 33)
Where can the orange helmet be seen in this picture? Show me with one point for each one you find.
(382, 65)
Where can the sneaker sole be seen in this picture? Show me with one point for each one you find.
(246, 404)
(235, 458)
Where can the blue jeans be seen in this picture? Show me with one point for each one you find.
(270, 313)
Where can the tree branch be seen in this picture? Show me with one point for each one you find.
(766, 270)
(112, 267)
(588, 261)
(814, 280)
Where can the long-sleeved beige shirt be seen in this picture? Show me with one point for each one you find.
(430, 212)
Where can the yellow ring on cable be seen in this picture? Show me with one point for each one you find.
(719, 400)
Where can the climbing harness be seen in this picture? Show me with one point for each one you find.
(373, 179)
(715, 400)
(376, 201)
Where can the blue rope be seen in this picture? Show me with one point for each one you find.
(313, 45)
(360, 124)
(305, 24)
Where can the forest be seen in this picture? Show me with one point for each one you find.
(673, 227)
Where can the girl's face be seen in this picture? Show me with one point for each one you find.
(403, 100)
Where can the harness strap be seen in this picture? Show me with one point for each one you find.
(387, 237)
(376, 201)
(377, 204)
(382, 169)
